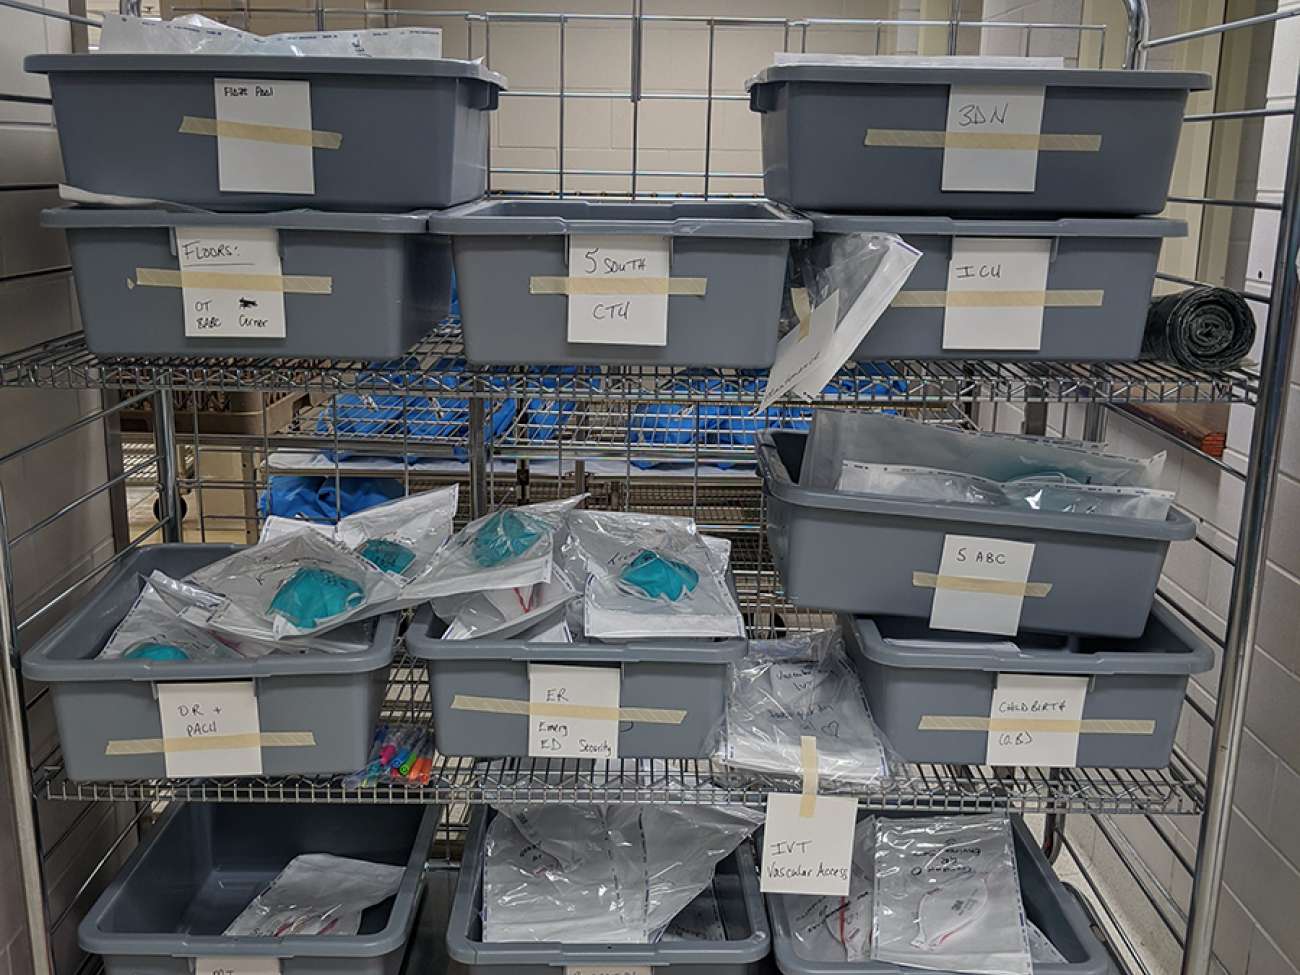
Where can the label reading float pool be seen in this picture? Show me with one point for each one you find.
(265, 144)
(210, 728)
(991, 142)
(225, 276)
(638, 316)
(573, 711)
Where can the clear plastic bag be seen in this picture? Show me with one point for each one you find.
(152, 630)
(838, 928)
(296, 585)
(1111, 500)
(402, 536)
(601, 874)
(1041, 949)
(196, 34)
(503, 612)
(317, 893)
(786, 689)
(918, 483)
(947, 896)
(700, 920)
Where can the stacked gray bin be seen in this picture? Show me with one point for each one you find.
(204, 862)
(735, 889)
(1047, 902)
(334, 696)
(389, 281)
(1113, 261)
(412, 133)
(858, 553)
(690, 675)
(1137, 680)
(738, 248)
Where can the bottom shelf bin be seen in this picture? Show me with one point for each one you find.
(203, 863)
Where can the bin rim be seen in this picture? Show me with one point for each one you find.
(80, 216)
(898, 74)
(841, 223)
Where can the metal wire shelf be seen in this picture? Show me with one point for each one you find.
(435, 366)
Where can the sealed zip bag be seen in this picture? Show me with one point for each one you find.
(317, 894)
(153, 630)
(402, 536)
(838, 928)
(503, 612)
(947, 896)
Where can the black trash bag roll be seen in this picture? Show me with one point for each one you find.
(1211, 329)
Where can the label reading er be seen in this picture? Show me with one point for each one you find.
(810, 854)
(991, 141)
(981, 584)
(1035, 720)
(210, 729)
(268, 146)
(611, 317)
(225, 277)
(573, 711)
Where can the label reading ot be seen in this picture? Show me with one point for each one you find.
(236, 965)
(996, 290)
(981, 584)
(224, 276)
(210, 729)
(618, 318)
(280, 159)
(608, 970)
(1035, 720)
(557, 694)
(808, 854)
(991, 141)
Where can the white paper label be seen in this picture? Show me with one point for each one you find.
(1036, 702)
(994, 264)
(228, 312)
(619, 319)
(218, 717)
(969, 557)
(237, 965)
(984, 110)
(561, 736)
(256, 165)
(801, 349)
(607, 970)
(808, 854)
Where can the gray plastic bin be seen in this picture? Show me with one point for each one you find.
(1112, 261)
(739, 247)
(335, 696)
(1141, 679)
(1047, 902)
(390, 282)
(735, 887)
(818, 155)
(413, 132)
(204, 862)
(857, 553)
(669, 673)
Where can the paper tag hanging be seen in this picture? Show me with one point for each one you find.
(279, 158)
(614, 318)
(573, 711)
(808, 854)
(223, 276)
(996, 290)
(981, 584)
(1035, 720)
(991, 140)
(237, 965)
(210, 729)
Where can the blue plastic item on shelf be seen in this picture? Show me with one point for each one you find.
(544, 416)
(319, 499)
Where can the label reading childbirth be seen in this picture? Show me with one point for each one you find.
(634, 318)
(240, 965)
(280, 112)
(991, 142)
(808, 854)
(559, 726)
(981, 584)
(224, 274)
(210, 729)
(1034, 720)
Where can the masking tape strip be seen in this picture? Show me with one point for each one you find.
(290, 284)
(1000, 587)
(808, 765)
(802, 302)
(1088, 726)
(925, 139)
(1061, 298)
(259, 132)
(545, 285)
(504, 705)
(155, 746)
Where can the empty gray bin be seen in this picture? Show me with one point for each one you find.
(204, 862)
(389, 282)
(735, 888)
(410, 133)
(690, 675)
(857, 553)
(1109, 264)
(334, 696)
(870, 139)
(738, 247)
(1142, 679)
(1048, 903)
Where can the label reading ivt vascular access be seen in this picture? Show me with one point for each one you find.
(808, 850)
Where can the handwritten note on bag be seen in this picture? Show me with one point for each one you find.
(224, 272)
(558, 696)
(980, 586)
(265, 165)
(210, 728)
(1034, 720)
(614, 318)
(991, 141)
(237, 965)
(996, 290)
(808, 854)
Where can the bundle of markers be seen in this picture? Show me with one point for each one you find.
(400, 754)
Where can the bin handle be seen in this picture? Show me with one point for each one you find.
(761, 98)
(484, 96)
